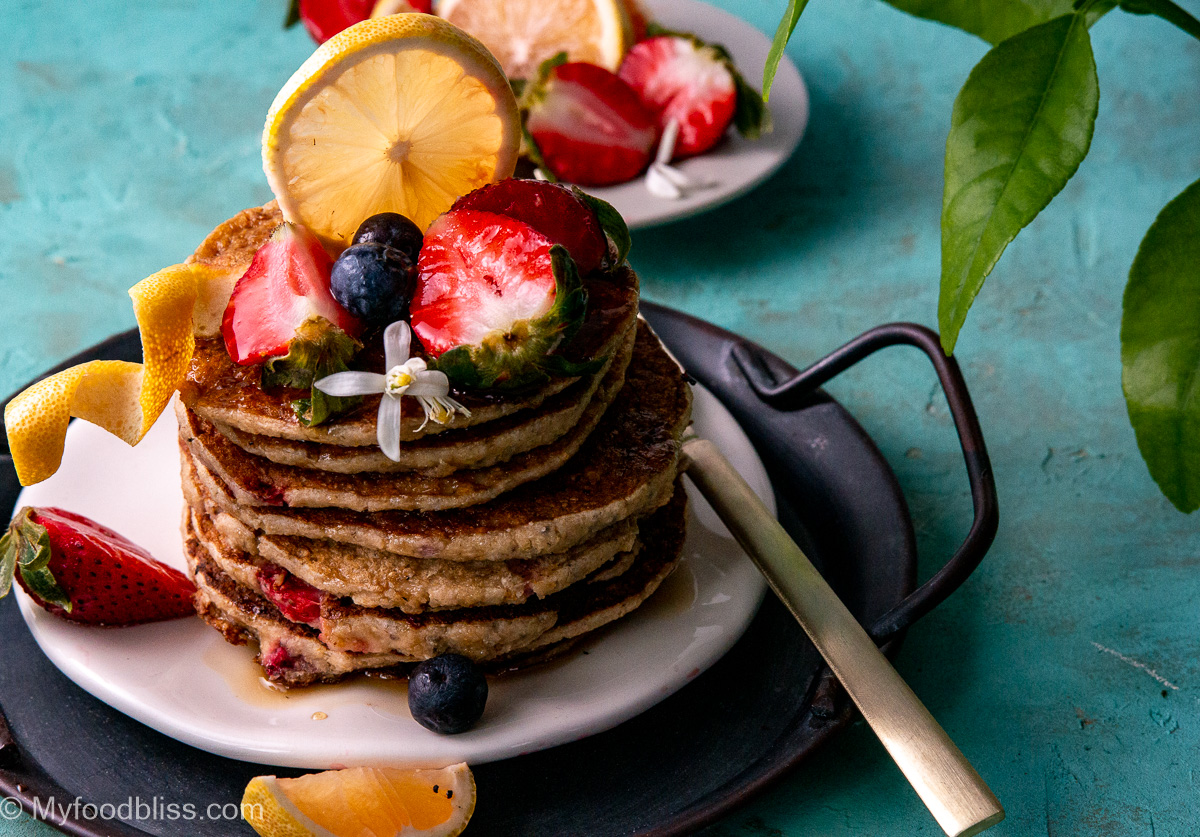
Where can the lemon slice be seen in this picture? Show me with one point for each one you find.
(362, 800)
(403, 113)
(524, 33)
(122, 397)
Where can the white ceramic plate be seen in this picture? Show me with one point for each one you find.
(736, 165)
(183, 680)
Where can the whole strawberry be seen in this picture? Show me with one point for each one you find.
(82, 571)
(587, 126)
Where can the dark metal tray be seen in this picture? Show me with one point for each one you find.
(768, 704)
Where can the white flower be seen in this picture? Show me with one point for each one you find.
(664, 180)
(405, 376)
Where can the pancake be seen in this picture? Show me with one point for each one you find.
(351, 638)
(232, 244)
(626, 468)
(256, 481)
(504, 536)
(227, 394)
(381, 579)
(440, 455)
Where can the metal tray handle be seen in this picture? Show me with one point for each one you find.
(794, 393)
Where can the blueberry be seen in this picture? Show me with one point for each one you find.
(374, 282)
(447, 694)
(394, 230)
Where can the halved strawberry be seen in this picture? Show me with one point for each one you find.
(297, 600)
(587, 125)
(286, 285)
(639, 19)
(564, 215)
(494, 299)
(325, 18)
(681, 78)
(82, 571)
(282, 312)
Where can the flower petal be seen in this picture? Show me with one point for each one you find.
(343, 384)
(429, 384)
(397, 344)
(387, 427)
(666, 143)
(659, 185)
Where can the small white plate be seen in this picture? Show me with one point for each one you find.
(182, 679)
(736, 165)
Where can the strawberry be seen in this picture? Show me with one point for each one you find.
(639, 19)
(581, 223)
(325, 18)
(282, 666)
(297, 600)
(286, 285)
(586, 125)
(494, 299)
(282, 312)
(82, 571)
(681, 78)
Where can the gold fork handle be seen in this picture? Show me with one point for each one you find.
(954, 793)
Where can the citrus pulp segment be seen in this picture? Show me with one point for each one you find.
(524, 33)
(362, 800)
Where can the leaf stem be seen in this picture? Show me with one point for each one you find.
(1167, 10)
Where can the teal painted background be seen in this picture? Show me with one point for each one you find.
(1067, 668)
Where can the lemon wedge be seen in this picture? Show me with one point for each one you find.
(362, 800)
(124, 398)
(403, 113)
(524, 33)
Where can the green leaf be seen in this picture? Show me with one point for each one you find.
(1021, 126)
(614, 226)
(558, 366)
(530, 149)
(992, 20)
(528, 94)
(25, 548)
(534, 91)
(1160, 349)
(751, 117)
(8, 562)
(319, 349)
(293, 14)
(787, 25)
(1168, 11)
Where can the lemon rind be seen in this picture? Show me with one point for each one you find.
(360, 42)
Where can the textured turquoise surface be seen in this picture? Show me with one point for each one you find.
(1067, 668)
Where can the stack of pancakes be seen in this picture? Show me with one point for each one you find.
(503, 536)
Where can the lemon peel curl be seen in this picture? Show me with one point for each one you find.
(124, 398)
